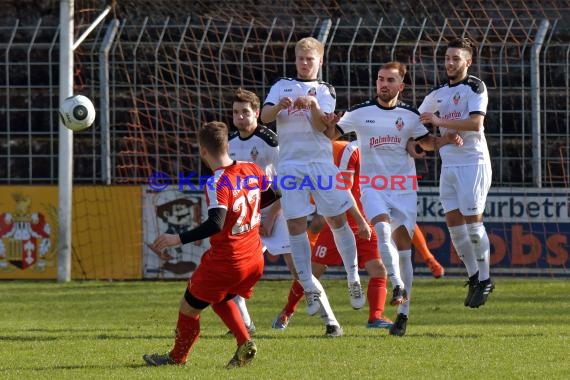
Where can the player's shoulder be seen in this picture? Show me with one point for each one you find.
(438, 87)
(407, 107)
(248, 166)
(267, 135)
(282, 80)
(476, 84)
(233, 135)
(368, 103)
(329, 86)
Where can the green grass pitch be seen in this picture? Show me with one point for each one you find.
(100, 330)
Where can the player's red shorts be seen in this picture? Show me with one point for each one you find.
(326, 253)
(213, 283)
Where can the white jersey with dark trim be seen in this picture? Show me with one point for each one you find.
(299, 142)
(457, 102)
(382, 137)
(260, 147)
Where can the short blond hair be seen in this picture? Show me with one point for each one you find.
(310, 43)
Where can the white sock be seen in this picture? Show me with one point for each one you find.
(389, 253)
(481, 248)
(464, 248)
(346, 246)
(301, 254)
(326, 312)
(407, 273)
(240, 303)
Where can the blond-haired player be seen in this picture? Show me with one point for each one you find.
(297, 105)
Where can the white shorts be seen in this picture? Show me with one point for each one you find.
(278, 242)
(297, 183)
(401, 207)
(465, 188)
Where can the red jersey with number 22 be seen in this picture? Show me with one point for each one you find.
(237, 188)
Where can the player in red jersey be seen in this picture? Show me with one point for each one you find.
(324, 252)
(234, 263)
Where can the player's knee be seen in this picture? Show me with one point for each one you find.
(383, 231)
(193, 302)
(375, 269)
(459, 234)
(479, 239)
(336, 222)
(475, 240)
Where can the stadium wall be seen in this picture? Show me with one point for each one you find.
(528, 230)
(107, 235)
(174, 64)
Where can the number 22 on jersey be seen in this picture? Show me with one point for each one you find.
(244, 221)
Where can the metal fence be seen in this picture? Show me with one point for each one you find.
(168, 77)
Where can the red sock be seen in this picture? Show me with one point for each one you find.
(376, 293)
(420, 244)
(230, 315)
(295, 295)
(187, 333)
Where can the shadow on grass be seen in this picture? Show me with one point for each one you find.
(69, 330)
(16, 338)
(478, 336)
(71, 367)
(41, 338)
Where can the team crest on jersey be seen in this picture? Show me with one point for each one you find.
(399, 124)
(312, 91)
(254, 153)
(456, 98)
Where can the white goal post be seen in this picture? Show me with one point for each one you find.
(65, 164)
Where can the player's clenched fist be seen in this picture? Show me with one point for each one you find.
(285, 102)
(304, 102)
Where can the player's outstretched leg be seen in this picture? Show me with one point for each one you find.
(187, 333)
(332, 327)
(420, 244)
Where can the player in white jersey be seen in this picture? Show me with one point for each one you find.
(305, 154)
(388, 182)
(460, 105)
(257, 143)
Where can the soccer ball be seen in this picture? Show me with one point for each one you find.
(77, 112)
